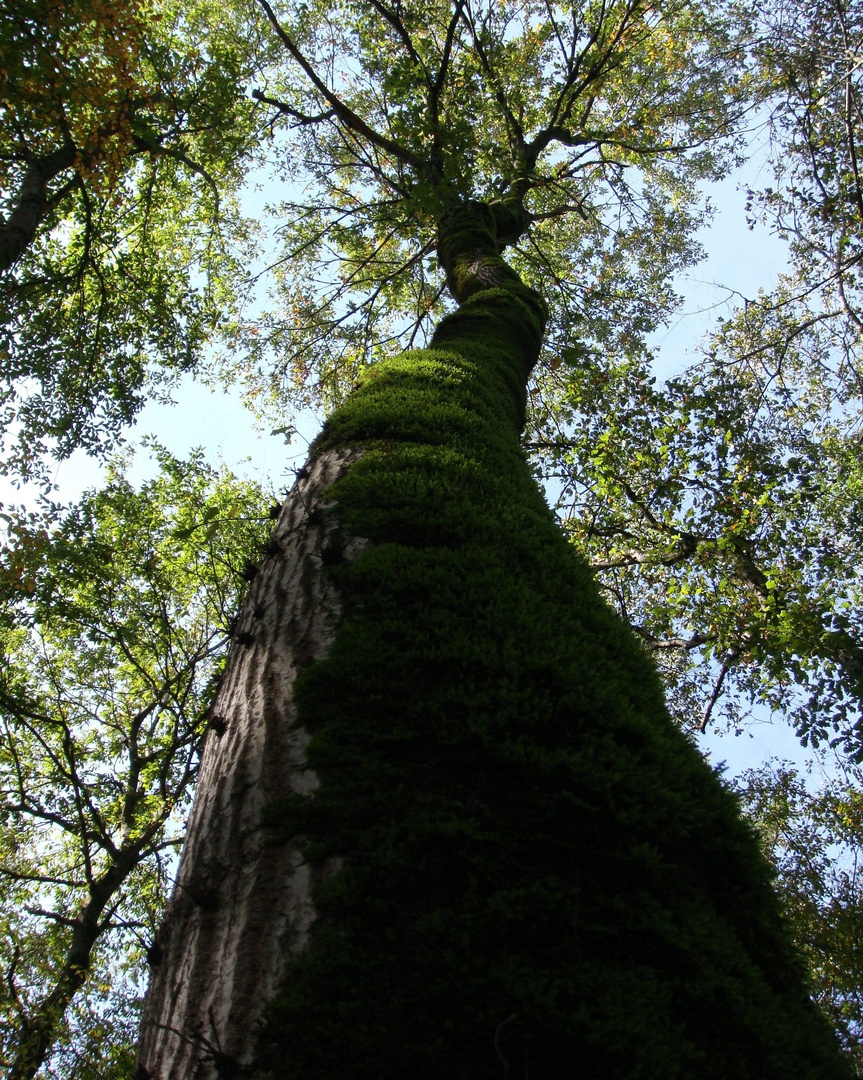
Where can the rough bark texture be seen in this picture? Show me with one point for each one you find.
(242, 904)
(519, 867)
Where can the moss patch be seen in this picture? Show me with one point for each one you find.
(543, 878)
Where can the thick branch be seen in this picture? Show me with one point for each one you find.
(18, 231)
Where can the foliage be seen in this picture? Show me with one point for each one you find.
(813, 835)
(722, 510)
(114, 615)
(722, 513)
(600, 118)
(811, 55)
(125, 133)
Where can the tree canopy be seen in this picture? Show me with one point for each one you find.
(125, 132)
(722, 509)
(601, 119)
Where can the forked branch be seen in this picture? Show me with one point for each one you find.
(347, 116)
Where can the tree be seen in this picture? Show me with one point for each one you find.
(722, 510)
(114, 617)
(507, 835)
(813, 836)
(125, 133)
(445, 824)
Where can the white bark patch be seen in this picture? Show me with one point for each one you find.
(242, 904)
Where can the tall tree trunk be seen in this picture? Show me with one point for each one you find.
(445, 826)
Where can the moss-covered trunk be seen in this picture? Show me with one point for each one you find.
(480, 846)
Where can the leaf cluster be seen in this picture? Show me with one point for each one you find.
(125, 133)
(115, 614)
(722, 510)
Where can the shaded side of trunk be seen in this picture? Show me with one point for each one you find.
(242, 903)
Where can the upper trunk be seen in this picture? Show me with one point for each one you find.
(469, 842)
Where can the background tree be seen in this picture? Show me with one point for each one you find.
(812, 832)
(125, 132)
(722, 509)
(114, 618)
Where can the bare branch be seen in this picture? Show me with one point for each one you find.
(436, 88)
(56, 916)
(295, 114)
(401, 30)
(347, 116)
(514, 128)
(729, 662)
(653, 644)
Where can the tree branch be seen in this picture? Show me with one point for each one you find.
(401, 30)
(517, 140)
(295, 114)
(347, 116)
(729, 662)
(19, 229)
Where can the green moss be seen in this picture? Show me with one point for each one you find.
(543, 878)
